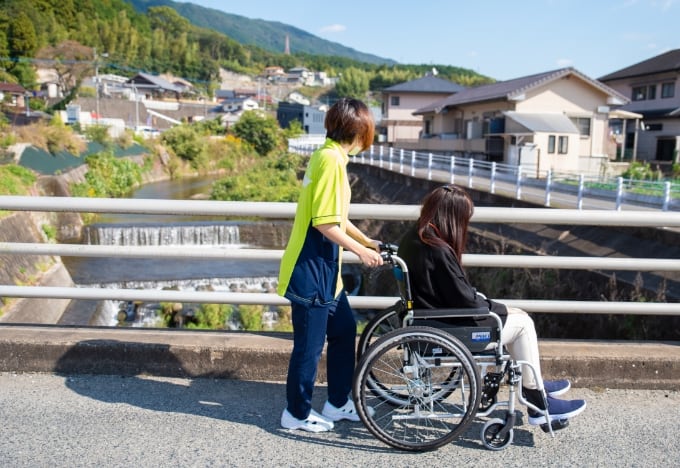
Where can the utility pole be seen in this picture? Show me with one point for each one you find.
(96, 79)
(96, 85)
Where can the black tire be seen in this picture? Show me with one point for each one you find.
(490, 437)
(417, 406)
(384, 322)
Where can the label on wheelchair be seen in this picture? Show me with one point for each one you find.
(475, 338)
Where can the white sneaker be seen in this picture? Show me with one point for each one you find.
(314, 422)
(348, 411)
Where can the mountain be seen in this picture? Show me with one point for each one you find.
(268, 35)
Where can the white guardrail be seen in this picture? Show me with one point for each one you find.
(357, 211)
(520, 182)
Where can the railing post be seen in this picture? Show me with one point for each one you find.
(579, 203)
(380, 157)
(363, 161)
(413, 163)
(429, 166)
(471, 169)
(453, 168)
(666, 196)
(518, 184)
(492, 184)
(619, 192)
(401, 161)
(548, 183)
(390, 156)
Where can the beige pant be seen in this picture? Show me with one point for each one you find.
(519, 337)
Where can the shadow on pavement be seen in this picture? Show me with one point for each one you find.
(122, 377)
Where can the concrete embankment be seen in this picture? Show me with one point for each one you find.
(264, 356)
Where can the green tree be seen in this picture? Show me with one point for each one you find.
(353, 83)
(186, 142)
(22, 38)
(259, 130)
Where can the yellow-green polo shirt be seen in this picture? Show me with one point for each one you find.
(310, 267)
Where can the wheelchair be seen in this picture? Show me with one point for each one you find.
(422, 378)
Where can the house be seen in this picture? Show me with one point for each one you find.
(238, 104)
(398, 123)
(557, 120)
(273, 72)
(153, 86)
(12, 94)
(311, 118)
(653, 87)
(298, 98)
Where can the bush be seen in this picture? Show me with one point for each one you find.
(186, 142)
(639, 171)
(108, 176)
(251, 317)
(98, 134)
(211, 316)
(259, 130)
(273, 179)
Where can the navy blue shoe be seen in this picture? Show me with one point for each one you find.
(558, 409)
(555, 388)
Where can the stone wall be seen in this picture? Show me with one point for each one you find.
(30, 270)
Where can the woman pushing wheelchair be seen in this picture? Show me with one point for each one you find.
(433, 249)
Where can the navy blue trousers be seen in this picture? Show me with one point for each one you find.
(312, 325)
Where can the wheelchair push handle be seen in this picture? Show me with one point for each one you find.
(387, 250)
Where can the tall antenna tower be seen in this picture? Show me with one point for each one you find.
(286, 49)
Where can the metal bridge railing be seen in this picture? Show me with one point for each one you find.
(357, 211)
(524, 182)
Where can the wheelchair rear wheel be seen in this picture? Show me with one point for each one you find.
(428, 391)
(384, 322)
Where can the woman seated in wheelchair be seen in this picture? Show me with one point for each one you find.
(432, 249)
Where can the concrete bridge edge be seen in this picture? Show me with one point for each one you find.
(264, 356)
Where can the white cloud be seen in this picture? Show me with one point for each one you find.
(333, 28)
(564, 62)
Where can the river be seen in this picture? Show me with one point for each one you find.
(176, 231)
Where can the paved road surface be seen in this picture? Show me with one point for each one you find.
(53, 421)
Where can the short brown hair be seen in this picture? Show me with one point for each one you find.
(348, 119)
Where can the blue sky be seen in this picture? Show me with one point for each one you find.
(503, 39)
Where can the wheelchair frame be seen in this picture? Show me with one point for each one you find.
(417, 388)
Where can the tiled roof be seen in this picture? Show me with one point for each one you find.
(12, 88)
(669, 61)
(426, 84)
(156, 81)
(507, 90)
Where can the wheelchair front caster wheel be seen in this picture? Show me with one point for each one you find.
(492, 436)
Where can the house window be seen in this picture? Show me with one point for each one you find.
(667, 90)
(394, 100)
(655, 127)
(563, 147)
(639, 93)
(651, 92)
(551, 144)
(583, 125)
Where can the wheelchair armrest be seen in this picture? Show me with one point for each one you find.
(454, 312)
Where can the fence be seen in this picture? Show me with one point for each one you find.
(520, 182)
(357, 211)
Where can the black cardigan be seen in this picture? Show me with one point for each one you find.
(437, 279)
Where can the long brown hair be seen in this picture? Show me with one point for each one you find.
(350, 118)
(444, 218)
